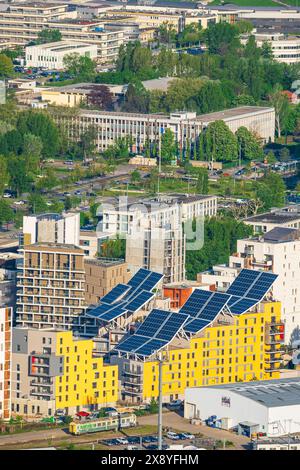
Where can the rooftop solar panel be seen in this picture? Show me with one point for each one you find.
(196, 302)
(118, 291)
(243, 282)
(196, 325)
(157, 331)
(113, 314)
(139, 277)
(139, 301)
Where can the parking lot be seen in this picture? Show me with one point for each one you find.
(149, 442)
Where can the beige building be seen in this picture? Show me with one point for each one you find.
(288, 217)
(51, 228)
(51, 286)
(186, 126)
(6, 318)
(101, 275)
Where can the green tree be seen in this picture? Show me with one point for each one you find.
(32, 150)
(37, 203)
(220, 144)
(79, 66)
(202, 181)
(48, 35)
(271, 157)
(281, 105)
(249, 144)
(19, 179)
(168, 146)
(284, 154)
(221, 37)
(6, 212)
(135, 177)
(266, 50)
(87, 142)
(4, 174)
(271, 191)
(41, 125)
(6, 66)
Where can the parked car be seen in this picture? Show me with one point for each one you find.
(122, 440)
(60, 412)
(175, 404)
(173, 436)
(188, 435)
(133, 448)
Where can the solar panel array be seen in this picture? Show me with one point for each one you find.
(203, 307)
(248, 289)
(118, 291)
(199, 311)
(156, 332)
(129, 297)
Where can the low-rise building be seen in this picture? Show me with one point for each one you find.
(271, 407)
(285, 48)
(287, 217)
(52, 370)
(142, 128)
(6, 319)
(51, 55)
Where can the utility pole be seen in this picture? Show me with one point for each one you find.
(160, 364)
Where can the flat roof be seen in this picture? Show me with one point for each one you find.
(226, 114)
(274, 217)
(269, 393)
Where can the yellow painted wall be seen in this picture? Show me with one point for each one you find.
(226, 353)
(84, 376)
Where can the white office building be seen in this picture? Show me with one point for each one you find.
(51, 55)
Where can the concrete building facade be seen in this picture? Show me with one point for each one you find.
(186, 126)
(51, 55)
(51, 228)
(51, 370)
(6, 318)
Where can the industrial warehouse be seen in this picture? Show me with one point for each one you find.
(271, 407)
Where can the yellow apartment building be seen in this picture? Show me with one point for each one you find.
(52, 370)
(239, 348)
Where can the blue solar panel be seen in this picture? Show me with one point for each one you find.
(139, 301)
(243, 282)
(152, 323)
(261, 286)
(151, 281)
(100, 310)
(157, 331)
(196, 325)
(113, 314)
(249, 288)
(196, 302)
(139, 277)
(151, 347)
(241, 306)
(118, 291)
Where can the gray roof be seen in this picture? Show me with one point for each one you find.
(269, 393)
(281, 234)
(278, 217)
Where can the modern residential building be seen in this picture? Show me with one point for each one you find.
(101, 275)
(157, 247)
(51, 55)
(89, 243)
(142, 128)
(238, 348)
(52, 370)
(269, 406)
(117, 216)
(21, 23)
(285, 48)
(288, 217)
(6, 318)
(51, 228)
(51, 286)
(277, 251)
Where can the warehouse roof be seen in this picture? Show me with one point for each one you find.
(270, 393)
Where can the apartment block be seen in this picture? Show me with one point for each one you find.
(51, 286)
(101, 275)
(233, 349)
(21, 23)
(51, 228)
(6, 317)
(142, 128)
(52, 370)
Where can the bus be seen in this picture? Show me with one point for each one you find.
(125, 420)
